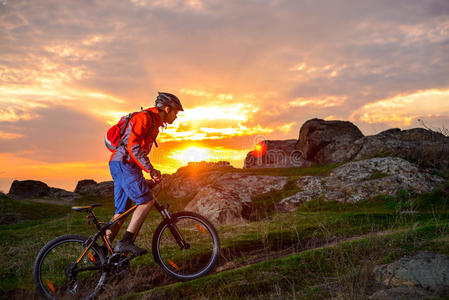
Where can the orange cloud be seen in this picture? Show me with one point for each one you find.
(318, 102)
(8, 136)
(402, 109)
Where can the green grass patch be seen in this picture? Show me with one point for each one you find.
(307, 275)
(20, 211)
(265, 205)
(312, 225)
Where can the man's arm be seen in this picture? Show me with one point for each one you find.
(139, 127)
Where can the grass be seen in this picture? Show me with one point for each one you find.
(15, 212)
(265, 205)
(301, 275)
(304, 273)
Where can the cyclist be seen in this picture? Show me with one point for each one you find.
(128, 161)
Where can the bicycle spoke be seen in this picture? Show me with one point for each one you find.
(59, 276)
(199, 249)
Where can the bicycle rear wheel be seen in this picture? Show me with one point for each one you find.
(202, 251)
(58, 276)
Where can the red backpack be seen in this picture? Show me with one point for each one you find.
(114, 134)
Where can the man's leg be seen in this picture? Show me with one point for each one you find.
(139, 216)
(112, 232)
(121, 200)
(126, 243)
(137, 189)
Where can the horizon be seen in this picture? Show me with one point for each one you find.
(243, 71)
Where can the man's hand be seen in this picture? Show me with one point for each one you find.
(155, 174)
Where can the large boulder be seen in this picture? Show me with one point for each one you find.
(83, 185)
(403, 293)
(359, 180)
(27, 189)
(424, 147)
(60, 194)
(89, 187)
(423, 275)
(33, 189)
(275, 154)
(325, 142)
(188, 180)
(228, 199)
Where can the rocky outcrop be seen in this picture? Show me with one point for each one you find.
(424, 147)
(31, 189)
(28, 189)
(228, 198)
(360, 180)
(275, 154)
(421, 276)
(403, 293)
(326, 142)
(323, 142)
(188, 180)
(60, 194)
(83, 185)
(90, 187)
(218, 191)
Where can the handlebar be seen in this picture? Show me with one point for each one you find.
(153, 183)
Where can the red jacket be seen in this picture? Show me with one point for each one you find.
(137, 141)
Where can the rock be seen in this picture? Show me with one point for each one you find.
(31, 189)
(187, 181)
(424, 269)
(275, 154)
(89, 187)
(360, 180)
(60, 194)
(27, 189)
(226, 200)
(82, 184)
(403, 293)
(325, 142)
(423, 147)
(421, 276)
(311, 188)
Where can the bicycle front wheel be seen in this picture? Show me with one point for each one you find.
(58, 275)
(199, 255)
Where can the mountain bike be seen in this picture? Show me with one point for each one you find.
(185, 245)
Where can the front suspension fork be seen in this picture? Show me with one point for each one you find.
(178, 236)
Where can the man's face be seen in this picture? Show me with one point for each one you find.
(171, 115)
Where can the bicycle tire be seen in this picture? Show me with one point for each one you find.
(186, 264)
(62, 252)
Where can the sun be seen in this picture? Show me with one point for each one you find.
(194, 154)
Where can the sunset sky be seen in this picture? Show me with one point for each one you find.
(244, 71)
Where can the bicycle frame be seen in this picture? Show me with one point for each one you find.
(102, 227)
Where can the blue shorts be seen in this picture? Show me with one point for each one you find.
(129, 183)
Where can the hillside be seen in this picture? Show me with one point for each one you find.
(270, 245)
(337, 223)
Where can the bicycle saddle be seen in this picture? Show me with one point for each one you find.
(85, 207)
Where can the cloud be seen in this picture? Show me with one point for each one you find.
(242, 69)
(58, 134)
(401, 110)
